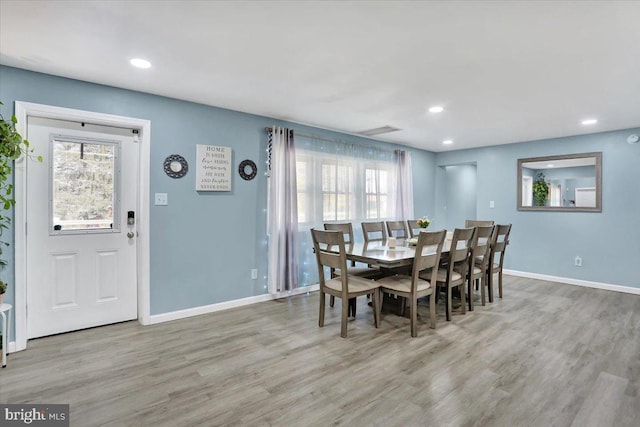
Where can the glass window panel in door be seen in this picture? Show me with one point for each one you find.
(83, 185)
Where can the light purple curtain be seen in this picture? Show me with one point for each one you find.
(404, 186)
(282, 211)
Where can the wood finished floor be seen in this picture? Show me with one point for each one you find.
(546, 355)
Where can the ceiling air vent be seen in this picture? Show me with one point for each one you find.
(378, 131)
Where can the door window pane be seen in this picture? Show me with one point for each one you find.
(83, 194)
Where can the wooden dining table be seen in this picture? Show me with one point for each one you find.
(380, 254)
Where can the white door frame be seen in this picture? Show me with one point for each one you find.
(25, 109)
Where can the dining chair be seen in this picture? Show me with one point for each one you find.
(414, 228)
(479, 254)
(347, 231)
(374, 232)
(369, 272)
(422, 280)
(330, 252)
(453, 272)
(476, 223)
(499, 244)
(397, 229)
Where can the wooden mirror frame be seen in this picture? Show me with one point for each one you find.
(598, 167)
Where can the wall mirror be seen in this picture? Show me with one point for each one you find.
(571, 182)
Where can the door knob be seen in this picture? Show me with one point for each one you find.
(130, 235)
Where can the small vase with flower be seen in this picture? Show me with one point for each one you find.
(423, 223)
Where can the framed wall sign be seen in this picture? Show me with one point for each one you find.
(213, 168)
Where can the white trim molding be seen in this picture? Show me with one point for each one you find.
(577, 282)
(205, 309)
(23, 110)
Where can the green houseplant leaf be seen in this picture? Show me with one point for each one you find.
(12, 146)
(540, 190)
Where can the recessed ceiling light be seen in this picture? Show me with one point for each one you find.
(436, 109)
(447, 142)
(549, 166)
(140, 63)
(589, 122)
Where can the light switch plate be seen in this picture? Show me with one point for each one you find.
(162, 199)
(492, 204)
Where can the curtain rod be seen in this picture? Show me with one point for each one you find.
(307, 135)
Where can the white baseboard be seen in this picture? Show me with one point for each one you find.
(577, 282)
(298, 291)
(196, 311)
(11, 348)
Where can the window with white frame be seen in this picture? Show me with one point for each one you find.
(339, 182)
(338, 197)
(343, 187)
(377, 203)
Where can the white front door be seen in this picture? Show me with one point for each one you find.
(81, 250)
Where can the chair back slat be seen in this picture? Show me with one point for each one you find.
(345, 227)
(427, 258)
(499, 243)
(397, 229)
(460, 251)
(481, 244)
(330, 259)
(329, 248)
(500, 238)
(499, 247)
(477, 223)
(347, 231)
(460, 244)
(414, 228)
(428, 250)
(374, 231)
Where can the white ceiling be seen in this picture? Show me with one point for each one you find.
(504, 71)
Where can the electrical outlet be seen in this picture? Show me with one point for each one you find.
(254, 273)
(578, 261)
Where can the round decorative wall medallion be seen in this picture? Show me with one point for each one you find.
(175, 166)
(247, 170)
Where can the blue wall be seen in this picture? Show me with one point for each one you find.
(460, 192)
(194, 240)
(203, 246)
(548, 242)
